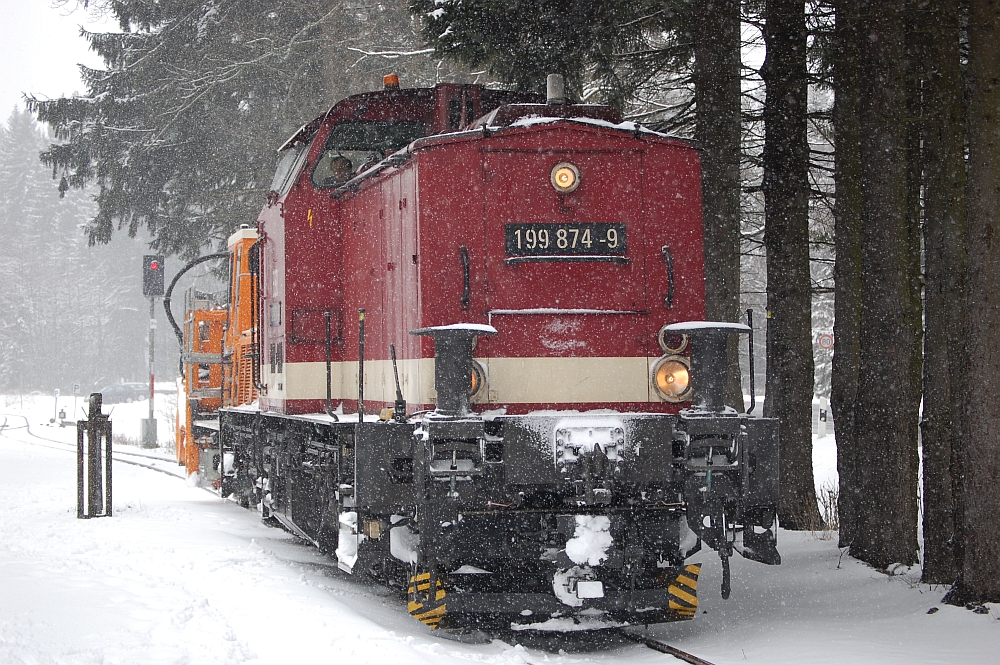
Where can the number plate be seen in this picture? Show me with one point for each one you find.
(591, 239)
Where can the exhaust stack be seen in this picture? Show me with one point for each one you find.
(709, 363)
(453, 365)
(555, 89)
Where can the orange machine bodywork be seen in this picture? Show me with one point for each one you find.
(217, 358)
(202, 381)
(239, 386)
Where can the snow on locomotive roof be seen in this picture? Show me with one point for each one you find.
(627, 125)
(527, 115)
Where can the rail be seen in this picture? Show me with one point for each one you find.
(662, 647)
(117, 455)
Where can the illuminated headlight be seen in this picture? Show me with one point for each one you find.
(478, 379)
(565, 177)
(671, 377)
(671, 342)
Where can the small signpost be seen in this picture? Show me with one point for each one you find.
(93, 447)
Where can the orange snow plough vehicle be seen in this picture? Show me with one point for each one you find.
(216, 359)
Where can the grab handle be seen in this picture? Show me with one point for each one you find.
(463, 253)
(668, 299)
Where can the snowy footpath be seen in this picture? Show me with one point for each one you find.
(179, 576)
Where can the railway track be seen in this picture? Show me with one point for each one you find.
(587, 641)
(118, 455)
(662, 647)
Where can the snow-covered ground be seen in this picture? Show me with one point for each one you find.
(180, 576)
(125, 417)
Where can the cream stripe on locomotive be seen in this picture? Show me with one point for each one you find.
(509, 380)
(308, 380)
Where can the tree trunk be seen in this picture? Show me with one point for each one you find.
(786, 239)
(717, 97)
(915, 62)
(981, 565)
(886, 511)
(944, 268)
(847, 270)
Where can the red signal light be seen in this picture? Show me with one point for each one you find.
(152, 275)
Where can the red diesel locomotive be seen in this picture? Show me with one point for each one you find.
(515, 286)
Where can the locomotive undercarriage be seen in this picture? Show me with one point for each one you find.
(518, 518)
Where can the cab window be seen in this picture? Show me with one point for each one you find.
(352, 147)
(289, 165)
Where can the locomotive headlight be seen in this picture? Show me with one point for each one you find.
(671, 377)
(478, 379)
(565, 177)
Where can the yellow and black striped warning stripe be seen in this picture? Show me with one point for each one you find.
(422, 606)
(683, 590)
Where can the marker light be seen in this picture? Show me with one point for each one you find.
(565, 177)
(671, 343)
(671, 377)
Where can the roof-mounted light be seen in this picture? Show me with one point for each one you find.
(565, 177)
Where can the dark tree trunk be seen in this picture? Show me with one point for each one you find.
(717, 96)
(847, 270)
(786, 238)
(886, 511)
(916, 55)
(944, 268)
(980, 579)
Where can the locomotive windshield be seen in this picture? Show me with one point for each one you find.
(353, 146)
(289, 165)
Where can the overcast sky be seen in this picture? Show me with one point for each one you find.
(40, 47)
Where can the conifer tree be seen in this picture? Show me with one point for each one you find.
(521, 41)
(786, 237)
(180, 130)
(979, 579)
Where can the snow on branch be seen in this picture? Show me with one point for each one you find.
(389, 55)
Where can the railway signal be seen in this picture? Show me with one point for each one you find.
(152, 287)
(152, 275)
